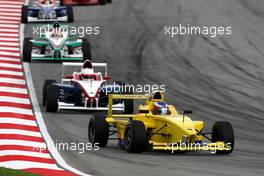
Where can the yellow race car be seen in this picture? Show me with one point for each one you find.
(158, 126)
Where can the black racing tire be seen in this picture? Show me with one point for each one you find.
(70, 50)
(47, 82)
(27, 50)
(43, 50)
(102, 2)
(86, 49)
(98, 130)
(70, 14)
(24, 16)
(135, 139)
(109, 1)
(52, 98)
(223, 131)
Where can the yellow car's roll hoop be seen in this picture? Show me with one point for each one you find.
(155, 96)
(111, 97)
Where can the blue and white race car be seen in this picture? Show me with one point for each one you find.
(86, 89)
(46, 11)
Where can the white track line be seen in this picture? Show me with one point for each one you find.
(11, 10)
(11, 65)
(20, 132)
(9, 59)
(3, 34)
(16, 110)
(4, 6)
(15, 100)
(38, 114)
(13, 90)
(9, 30)
(27, 164)
(10, 14)
(36, 145)
(9, 39)
(9, 48)
(10, 72)
(11, 80)
(18, 121)
(42, 126)
(9, 53)
(9, 18)
(10, 44)
(24, 153)
(13, 26)
(11, 2)
(6, 22)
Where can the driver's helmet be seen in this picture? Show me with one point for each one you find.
(56, 25)
(87, 74)
(46, 2)
(56, 31)
(160, 108)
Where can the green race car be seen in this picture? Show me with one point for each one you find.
(56, 43)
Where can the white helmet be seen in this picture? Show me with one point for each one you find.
(87, 73)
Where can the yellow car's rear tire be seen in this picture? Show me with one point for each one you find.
(223, 131)
(135, 138)
(98, 130)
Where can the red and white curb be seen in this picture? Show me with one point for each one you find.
(22, 131)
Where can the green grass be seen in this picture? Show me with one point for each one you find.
(11, 172)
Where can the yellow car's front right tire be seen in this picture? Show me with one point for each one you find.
(223, 131)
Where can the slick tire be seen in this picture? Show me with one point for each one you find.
(52, 98)
(135, 138)
(27, 50)
(86, 49)
(98, 130)
(223, 131)
(46, 84)
(24, 17)
(70, 14)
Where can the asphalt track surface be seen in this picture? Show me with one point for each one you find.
(218, 78)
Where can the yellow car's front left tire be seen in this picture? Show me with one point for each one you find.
(135, 139)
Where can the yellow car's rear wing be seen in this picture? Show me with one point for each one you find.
(111, 97)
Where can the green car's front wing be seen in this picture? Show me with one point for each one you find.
(57, 59)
